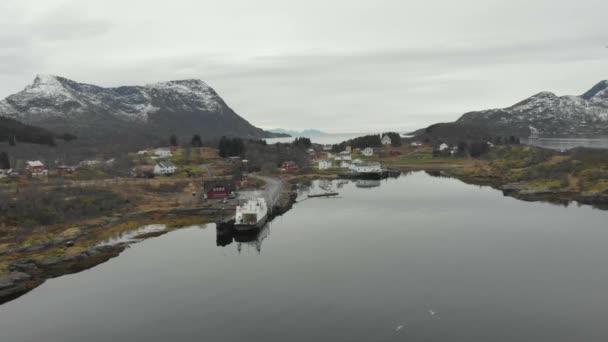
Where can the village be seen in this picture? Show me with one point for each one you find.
(215, 174)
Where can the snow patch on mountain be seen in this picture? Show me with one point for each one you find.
(53, 96)
(551, 114)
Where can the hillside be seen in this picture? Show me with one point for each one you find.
(548, 115)
(127, 115)
(15, 131)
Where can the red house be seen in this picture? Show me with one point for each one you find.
(217, 189)
(35, 168)
(289, 165)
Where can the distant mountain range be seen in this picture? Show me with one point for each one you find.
(548, 115)
(128, 114)
(306, 132)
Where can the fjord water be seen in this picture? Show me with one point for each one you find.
(416, 259)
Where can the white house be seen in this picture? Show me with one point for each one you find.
(164, 168)
(345, 164)
(343, 156)
(366, 167)
(90, 162)
(36, 168)
(416, 143)
(325, 164)
(368, 151)
(443, 147)
(386, 140)
(357, 160)
(162, 152)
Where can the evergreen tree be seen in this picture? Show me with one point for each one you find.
(302, 142)
(4, 161)
(173, 140)
(196, 141)
(231, 147)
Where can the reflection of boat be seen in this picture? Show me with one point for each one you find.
(367, 183)
(252, 238)
(251, 214)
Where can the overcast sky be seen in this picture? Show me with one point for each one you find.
(336, 65)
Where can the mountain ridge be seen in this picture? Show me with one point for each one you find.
(127, 113)
(548, 114)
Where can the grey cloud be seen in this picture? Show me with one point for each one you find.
(286, 68)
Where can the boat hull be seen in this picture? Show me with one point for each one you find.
(248, 227)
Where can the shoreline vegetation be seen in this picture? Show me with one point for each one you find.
(53, 228)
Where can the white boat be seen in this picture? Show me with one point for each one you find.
(252, 214)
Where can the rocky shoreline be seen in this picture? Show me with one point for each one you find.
(521, 191)
(26, 274)
(23, 275)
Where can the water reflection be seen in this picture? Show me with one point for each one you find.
(365, 183)
(251, 239)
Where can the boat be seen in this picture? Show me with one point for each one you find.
(251, 215)
(325, 194)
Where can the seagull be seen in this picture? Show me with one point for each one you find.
(432, 313)
(399, 328)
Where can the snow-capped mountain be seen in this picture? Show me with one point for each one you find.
(549, 115)
(182, 107)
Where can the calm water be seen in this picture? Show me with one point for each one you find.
(413, 259)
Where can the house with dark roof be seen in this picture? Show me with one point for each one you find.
(165, 168)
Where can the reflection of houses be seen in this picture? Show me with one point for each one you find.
(367, 183)
(368, 152)
(36, 168)
(386, 140)
(217, 189)
(164, 168)
(325, 164)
